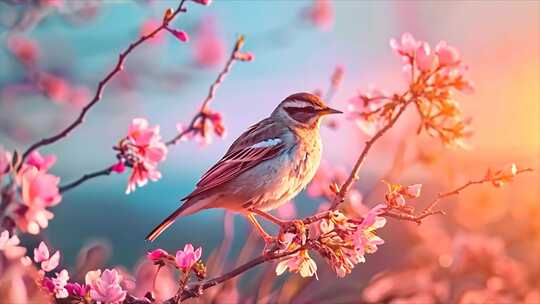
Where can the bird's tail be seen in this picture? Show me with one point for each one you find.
(181, 211)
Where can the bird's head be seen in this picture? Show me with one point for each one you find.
(302, 110)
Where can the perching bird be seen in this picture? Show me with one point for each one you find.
(266, 166)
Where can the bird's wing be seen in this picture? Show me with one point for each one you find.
(260, 142)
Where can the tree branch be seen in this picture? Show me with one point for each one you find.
(67, 187)
(428, 211)
(103, 83)
(203, 111)
(340, 196)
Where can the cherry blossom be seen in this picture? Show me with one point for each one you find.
(141, 150)
(39, 191)
(448, 55)
(57, 285)
(23, 49)
(41, 255)
(42, 163)
(426, 59)
(5, 160)
(185, 259)
(105, 287)
(321, 14)
(407, 46)
(299, 262)
(208, 47)
(9, 245)
(76, 289)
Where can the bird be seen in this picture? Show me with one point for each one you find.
(265, 167)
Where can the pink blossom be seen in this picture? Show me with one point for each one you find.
(217, 122)
(203, 2)
(42, 163)
(144, 149)
(9, 246)
(33, 219)
(59, 284)
(56, 88)
(365, 240)
(157, 255)
(76, 289)
(426, 59)
(299, 262)
(105, 287)
(407, 46)
(5, 161)
(413, 191)
(140, 174)
(52, 263)
(39, 191)
(208, 48)
(24, 49)
(41, 255)
(321, 14)
(186, 258)
(180, 35)
(39, 188)
(448, 55)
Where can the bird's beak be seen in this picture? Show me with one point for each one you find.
(327, 111)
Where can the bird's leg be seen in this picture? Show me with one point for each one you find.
(268, 239)
(270, 217)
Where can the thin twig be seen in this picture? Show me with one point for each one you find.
(192, 126)
(103, 83)
(211, 93)
(428, 211)
(67, 187)
(340, 196)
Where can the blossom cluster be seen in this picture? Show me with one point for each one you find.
(342, 241)
(55, 87)
(434, 75)
(108, 286)
(141, 150)
(30, 191)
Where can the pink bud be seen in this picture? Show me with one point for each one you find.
(157, 255)
(244, 56)
(119, 167)
(203, 2)
(426, 59)
(180, 35)
(448, 55)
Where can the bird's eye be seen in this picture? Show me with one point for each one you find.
(303, 115)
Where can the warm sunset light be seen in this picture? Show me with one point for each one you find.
(310, 151)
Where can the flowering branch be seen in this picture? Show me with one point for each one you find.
(354, 175)
(169, 16)
(497, 178)
(199, 123)
(198, 126)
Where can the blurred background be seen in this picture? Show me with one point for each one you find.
(77, 43)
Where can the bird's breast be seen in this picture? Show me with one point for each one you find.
(297, 167)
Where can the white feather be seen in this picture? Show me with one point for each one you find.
(267, 143)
